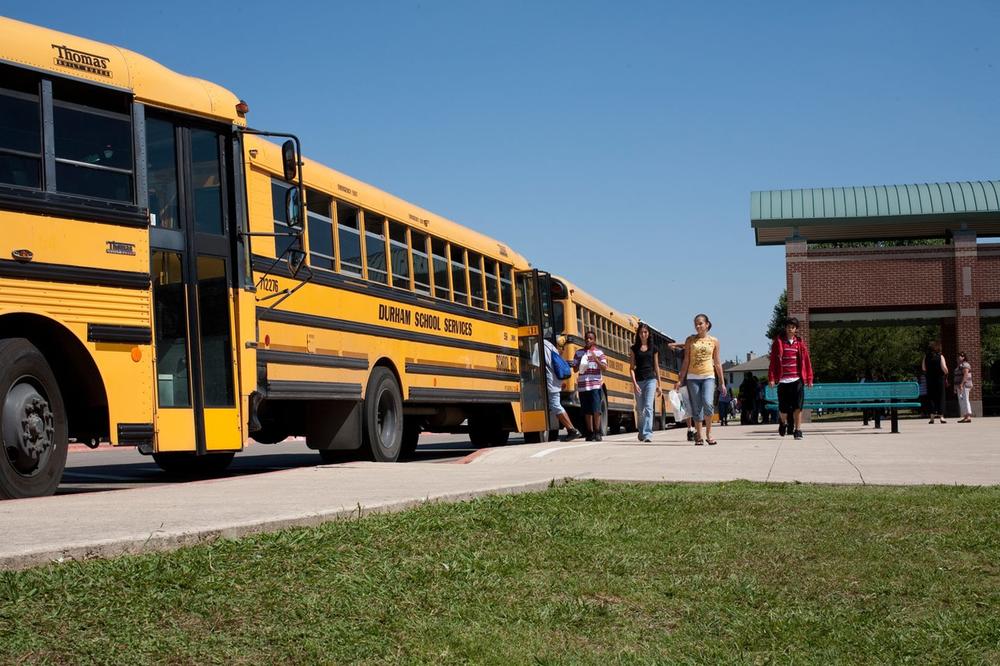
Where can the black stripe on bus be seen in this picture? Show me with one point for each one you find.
(461, 395)
(315, 360)
(331, 324)
(51, 204)
(353, 283)
(142, 335)
(292, 390)
(98, 277)
(135, 434)
(619, 394)
(451, 371)
(624, 378)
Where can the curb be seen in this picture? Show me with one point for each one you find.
(161, 542)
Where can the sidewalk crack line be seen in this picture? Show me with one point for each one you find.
(773, 460)
(860, 475)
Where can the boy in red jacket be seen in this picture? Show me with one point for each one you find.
(791, 369)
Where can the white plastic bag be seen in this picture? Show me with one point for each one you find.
(680, 404)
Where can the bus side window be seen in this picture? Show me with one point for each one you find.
(492, 287)
(375, 247)
(320, 230)
(399, 256)
(92, 129)
(421, 268)
(458, 274)
(476, 287)
(507, 290)
(442, 279)
(20, 130)
(349, 238)
(281, 243)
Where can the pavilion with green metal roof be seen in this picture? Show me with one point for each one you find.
(834, 278)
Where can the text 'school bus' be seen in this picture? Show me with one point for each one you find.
(574, 312)
(137, 307)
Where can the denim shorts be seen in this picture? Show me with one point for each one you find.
(590, 401)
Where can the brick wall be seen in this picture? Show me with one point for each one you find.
(960, 277)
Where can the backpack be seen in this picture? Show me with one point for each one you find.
(560, 368)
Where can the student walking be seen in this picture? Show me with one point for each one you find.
(644, 364)
(590, 363)
(791, 369)
(748, 397)
(555, 394)
(699, 372)
(725, 404)
(936, 370)
(963, 387)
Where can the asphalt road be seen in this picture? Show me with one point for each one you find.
(117, 468)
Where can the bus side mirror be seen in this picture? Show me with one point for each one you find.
(289, 160)
(293, 208)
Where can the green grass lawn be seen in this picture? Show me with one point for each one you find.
(586, 572)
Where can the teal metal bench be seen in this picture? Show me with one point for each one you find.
(869, 395)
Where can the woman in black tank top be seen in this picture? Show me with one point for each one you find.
(644, 363)
(935, 370)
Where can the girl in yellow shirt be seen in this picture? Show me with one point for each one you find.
(699, 372)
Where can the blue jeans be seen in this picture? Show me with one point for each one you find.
(644, 405)
(702, 393)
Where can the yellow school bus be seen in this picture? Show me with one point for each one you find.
(399, 321)
(162, 287)
(574, 312)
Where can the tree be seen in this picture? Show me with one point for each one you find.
(778, 317)
(882, 353)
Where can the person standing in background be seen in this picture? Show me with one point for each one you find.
(748, 399)
(590, 363)
(725, 404)
(644, 364)
(936, 370)
(963, 387)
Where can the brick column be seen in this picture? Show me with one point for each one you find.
(796, 252)
(967, 325)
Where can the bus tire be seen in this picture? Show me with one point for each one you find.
(383, 417)
(411, 437)
(536, 437)
(486, 430)
(604, 414)
(187, 465)
(35, 434)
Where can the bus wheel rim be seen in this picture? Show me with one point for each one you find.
(28, 428)
(386, 417)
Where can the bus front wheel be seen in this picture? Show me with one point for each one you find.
(383, 424)
(34, 434)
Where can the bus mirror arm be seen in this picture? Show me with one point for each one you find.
(285, 293)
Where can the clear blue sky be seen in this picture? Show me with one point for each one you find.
(638, 129)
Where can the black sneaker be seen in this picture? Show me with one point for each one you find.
(798, 434)
(690, 435)
(571, 435)
(781, 429)
(598, 437)
(590, 437)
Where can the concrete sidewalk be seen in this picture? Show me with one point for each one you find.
(161, 517)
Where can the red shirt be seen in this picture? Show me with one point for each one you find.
(803, 363)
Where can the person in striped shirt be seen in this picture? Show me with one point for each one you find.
(590, 362)
(791, 369)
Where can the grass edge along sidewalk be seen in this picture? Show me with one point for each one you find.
(583, 572)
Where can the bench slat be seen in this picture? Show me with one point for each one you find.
(844, 392)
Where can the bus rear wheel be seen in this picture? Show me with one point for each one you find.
(383, 418)
(34, 434)
(486, 430)
(187, 465)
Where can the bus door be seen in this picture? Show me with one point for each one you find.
(532, 288)
(189, 182)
